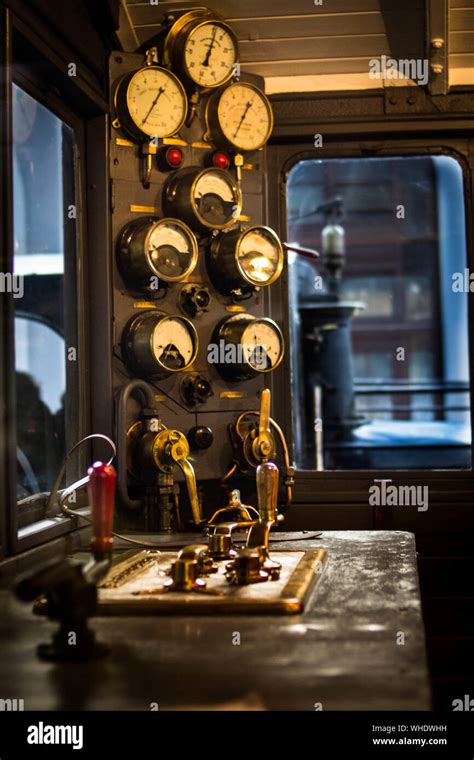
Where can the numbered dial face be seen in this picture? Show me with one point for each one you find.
(156, 102)
(210, 53)
(216, 197)
(245, 116)
(260, 256)
(172, 249)
(173, 343)
(262, 345)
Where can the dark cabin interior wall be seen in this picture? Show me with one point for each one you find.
(445, 543)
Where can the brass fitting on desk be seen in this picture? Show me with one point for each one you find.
(246, 568)
(220, 541)
(192, 562)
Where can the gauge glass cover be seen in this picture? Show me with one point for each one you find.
(245, 116)
(171, 250)
(215, 198)
(259, 256)
(156, 102)
(173, 343)
(262, 346)
(210, 54)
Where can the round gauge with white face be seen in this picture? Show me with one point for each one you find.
(244, 260)
(250, 346)
(173, 343)
(260, 256)
(151, 102)
(214, 196)
(240, 117)
(156, 344)
(262, 345)
(208, 198)
(151, 248)
(210, 52)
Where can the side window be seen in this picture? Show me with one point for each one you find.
(381, 319)
(44, 275)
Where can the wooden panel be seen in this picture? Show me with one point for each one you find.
(314, 25)
(300, 68)
(455, 4)
(313, 48)
(251, 9)
(461, 20)
(461, 42)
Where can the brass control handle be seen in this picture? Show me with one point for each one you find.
(267, 491)
(188, 472)
(171, 449)
(264, 445)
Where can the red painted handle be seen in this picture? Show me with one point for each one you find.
(101, 488)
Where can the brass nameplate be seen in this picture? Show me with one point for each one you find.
(146, 571)
(135, 209)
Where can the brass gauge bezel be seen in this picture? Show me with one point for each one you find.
(126, 121)
(137, 344)
(179, 34)
(224, 260)
(213, 119)
(133, 250)
(231, 331)
(178, 197)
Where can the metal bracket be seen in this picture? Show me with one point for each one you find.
(437, 46)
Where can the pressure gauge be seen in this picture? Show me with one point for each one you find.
(239, 117)
(151, 247)
(156, 344)
(204, 198)
(245, 259)
(202, 48)
(150, 102)
(247, 346)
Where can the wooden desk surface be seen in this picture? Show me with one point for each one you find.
(346, 652)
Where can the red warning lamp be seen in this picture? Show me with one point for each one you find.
(220, 160)
(174, 157)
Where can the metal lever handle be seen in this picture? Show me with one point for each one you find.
(188, 472)
(101, 488)
(171, 449)
(267, 491)
(263, 446)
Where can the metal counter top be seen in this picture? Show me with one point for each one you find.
(358, 646)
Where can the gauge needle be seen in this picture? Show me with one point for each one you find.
(159, 94)
(209, 49)
(243, 117)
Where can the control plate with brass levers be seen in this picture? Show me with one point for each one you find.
(140, 584)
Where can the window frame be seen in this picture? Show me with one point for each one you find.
(86, 111)
(352, 135)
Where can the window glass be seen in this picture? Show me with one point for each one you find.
(381, 353)
(44, 262)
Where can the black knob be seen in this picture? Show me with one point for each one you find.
(193, 300)
(200, 437)
(196, 389)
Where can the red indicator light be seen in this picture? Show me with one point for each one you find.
(174, 157)
(220, 160)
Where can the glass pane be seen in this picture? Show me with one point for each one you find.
(44, 257)
(381, 326)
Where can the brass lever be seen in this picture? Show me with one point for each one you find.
(171, 449)
(263, 446)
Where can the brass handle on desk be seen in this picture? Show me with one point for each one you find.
(263, 446)
(171, 449)
(267, 491)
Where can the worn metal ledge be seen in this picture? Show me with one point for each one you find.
(358, 646)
